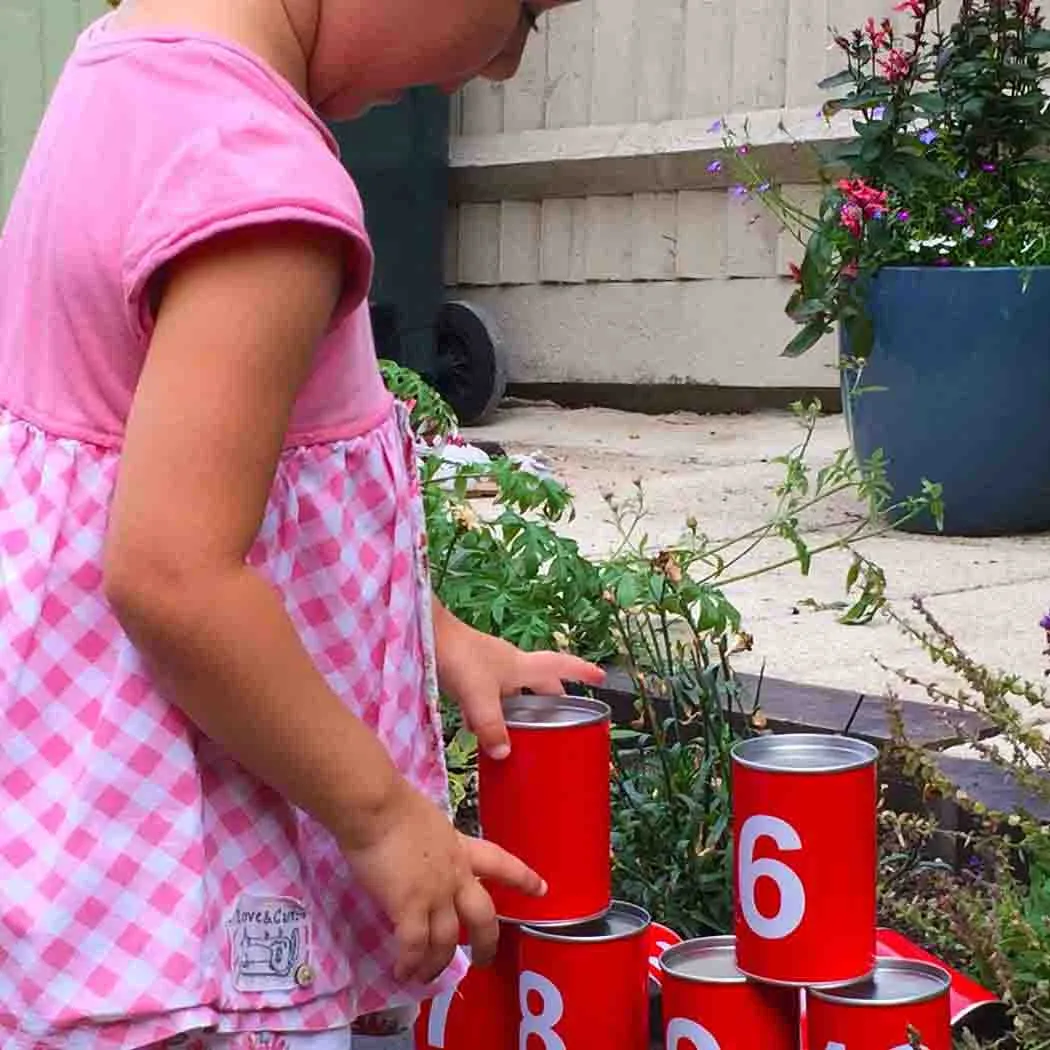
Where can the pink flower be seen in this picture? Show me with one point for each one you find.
(896, 65)
(879, 36)
(850, 270)
(796, 272)
(872, 202)
(852, 217)
(917, 8)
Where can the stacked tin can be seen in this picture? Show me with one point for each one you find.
(805, 842)
(573, 971)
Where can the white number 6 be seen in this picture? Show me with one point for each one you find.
(792, 906)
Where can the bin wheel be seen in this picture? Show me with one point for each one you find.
(471, 372)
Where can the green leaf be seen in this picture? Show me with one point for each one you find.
(930, 102)
(861, 334)
(810, 335)
(846, 76)
(1038, 41)
(868, 101)
(806, 309)
(852, 575)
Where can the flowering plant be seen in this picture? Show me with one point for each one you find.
(944, 169)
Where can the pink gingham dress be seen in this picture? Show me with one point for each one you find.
(148, 885)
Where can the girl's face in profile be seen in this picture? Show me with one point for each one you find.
(370, 51)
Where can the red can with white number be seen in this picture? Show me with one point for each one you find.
(804, 834)
(481, 1013)
(902, 999)
(548, 804)
(708, 1004)
(586, 986)
(660, 938)
(966, 998)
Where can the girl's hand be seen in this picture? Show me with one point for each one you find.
(478, 671)
(424, 874)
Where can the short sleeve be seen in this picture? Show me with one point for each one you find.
(236, 175)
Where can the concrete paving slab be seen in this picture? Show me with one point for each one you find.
(990, 592)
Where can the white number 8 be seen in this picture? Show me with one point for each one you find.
(792, 907)
(552, 1010)
(700, 1038)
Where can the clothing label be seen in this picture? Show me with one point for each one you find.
(269, 944)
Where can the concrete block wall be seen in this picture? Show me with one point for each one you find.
(585, 220)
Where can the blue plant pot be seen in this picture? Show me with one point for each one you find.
(963, 356)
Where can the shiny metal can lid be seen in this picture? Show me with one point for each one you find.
(553, 712)
(810, 753)
(708, 960)
(621, 922)
(896, 982)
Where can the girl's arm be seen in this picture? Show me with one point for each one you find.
(236, 329)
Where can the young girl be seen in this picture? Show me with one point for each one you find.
(222, 796)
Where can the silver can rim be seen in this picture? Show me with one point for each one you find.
(810, 985)
(552, 924)
(697, 946)
(561, 934)
(910, 966)
(592, 712)
(755, 753)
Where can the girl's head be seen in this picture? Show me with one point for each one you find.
(361, 52)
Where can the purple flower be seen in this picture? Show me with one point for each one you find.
(740, 191)
(987, 241)
(763, 187)
(1045, 623)
(944, 261)
(878, 113)
(714, 167)
(988, 167)
(927, 136)
(743, 150)
(716, 126)
(904, 216)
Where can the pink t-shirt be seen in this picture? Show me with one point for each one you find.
(155, 141)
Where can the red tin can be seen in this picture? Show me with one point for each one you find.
(481, 1013)
(548, 804)
(708, 1004)
(965, 998)
(586, 986)
(660, 939)
(882, 1013)
(804, 833)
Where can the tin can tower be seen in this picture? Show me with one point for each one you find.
(806, 969)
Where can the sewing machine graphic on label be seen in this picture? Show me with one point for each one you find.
(269, 956)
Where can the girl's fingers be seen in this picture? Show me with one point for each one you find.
(413, 942)
(444, 938)
(478, 915)
(489, 861)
